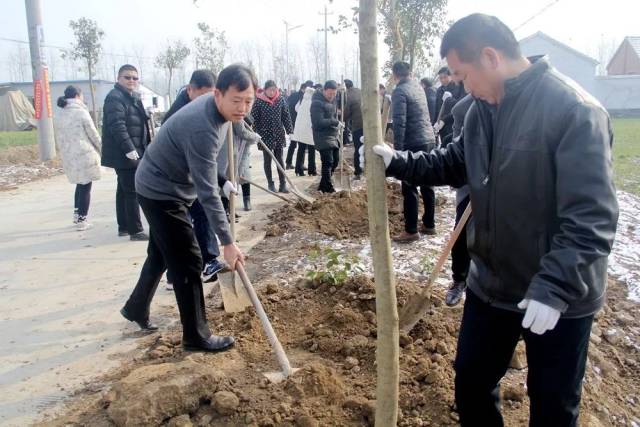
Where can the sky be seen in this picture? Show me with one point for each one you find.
(582, 24)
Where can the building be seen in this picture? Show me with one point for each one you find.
(102, 88)
(626, 60)
(619, 91)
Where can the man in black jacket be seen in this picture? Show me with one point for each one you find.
(430, 93)
(326, 126)
(292, 101)
(125, 136)
(353, 119)
(412, 131)
(536, 153)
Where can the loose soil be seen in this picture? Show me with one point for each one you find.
(330, 333)
(21, 164)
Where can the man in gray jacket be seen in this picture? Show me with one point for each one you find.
(178, 167)
(535, 151)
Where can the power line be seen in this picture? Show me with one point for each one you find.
(540, 12)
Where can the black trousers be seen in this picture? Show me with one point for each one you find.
(330, 159)
(460, 259)
(556, 360)
(172, 245)
(277, 152)
(82, 199)
(411, 203)
(291, 151)
(356, 151)
(311, 163)
(127, 207)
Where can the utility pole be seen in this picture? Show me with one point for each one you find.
(326, 43)
(286, 38)
(41, 91)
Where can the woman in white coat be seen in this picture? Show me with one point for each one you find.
(304, 134)
(79, 147)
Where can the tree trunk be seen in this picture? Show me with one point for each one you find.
(386, 305)
(93, 95)
(169, 85)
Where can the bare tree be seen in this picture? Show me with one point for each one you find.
(316, 51)
(138, 51)
(87, 47)
(171, 59)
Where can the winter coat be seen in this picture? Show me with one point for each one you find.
(411, 127)
(125, 128)
(324, 122)
(292, 101)
(181, 100)
(78, 143)
(541, 181)
(243, 139)
(353, 109)
(271, 120)
(457, 92)
(303, 131)
(431, 95)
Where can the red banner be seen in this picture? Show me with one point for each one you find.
(37, 98)
(47, 92)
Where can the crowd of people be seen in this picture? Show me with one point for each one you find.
(528, 149)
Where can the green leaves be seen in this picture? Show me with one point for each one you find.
(331, 266)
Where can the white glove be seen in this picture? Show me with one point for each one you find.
(446, 96)
(382, 150)
(439, 125)
(538, 316)
(228, 188)
(132, 155)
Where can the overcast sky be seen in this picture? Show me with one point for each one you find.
(582, 24)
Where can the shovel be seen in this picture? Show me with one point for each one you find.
(294, 190)
(281, 356)
(234, 296)
(417, 305)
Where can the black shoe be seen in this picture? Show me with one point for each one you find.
(139, 237)
(299, 172)
(289, 166)
(144, 324)
(123, 233)
(272, 187)
(214, 344)
(454, 294)
(312, 173)
(357, 177)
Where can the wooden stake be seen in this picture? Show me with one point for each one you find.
(388, 351)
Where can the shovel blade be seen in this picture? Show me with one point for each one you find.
(278, 377)
(234, 296)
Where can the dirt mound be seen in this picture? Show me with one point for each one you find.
(321, 216)
(22, 164)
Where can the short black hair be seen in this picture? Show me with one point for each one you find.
(317, 86)
(126, 67)
(381, 86)
(237, 75)
(348, 83)
(269, 83)
(426, 82)
(401, 69)
(202, 78)
(471, 34)
(308, 83)
(444, 70)
(330, 84)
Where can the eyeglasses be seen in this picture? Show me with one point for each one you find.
(134, 78)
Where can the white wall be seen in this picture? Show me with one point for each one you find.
(577, 68)
(619, 92)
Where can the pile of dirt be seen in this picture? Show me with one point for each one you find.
(322, 215)
(19, 165)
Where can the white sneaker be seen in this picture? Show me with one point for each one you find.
(75, 217)
(83, 225)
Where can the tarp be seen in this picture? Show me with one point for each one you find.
(16, 112)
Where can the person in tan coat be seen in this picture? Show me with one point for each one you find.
(79, 146)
